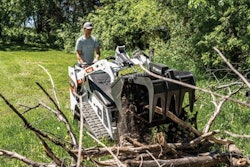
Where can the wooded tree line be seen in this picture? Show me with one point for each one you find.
(180, 28)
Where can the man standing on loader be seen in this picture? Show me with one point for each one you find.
(87, 47)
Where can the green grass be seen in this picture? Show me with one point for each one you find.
(19, 72)
(233, 117)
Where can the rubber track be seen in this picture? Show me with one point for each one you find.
(93, 122)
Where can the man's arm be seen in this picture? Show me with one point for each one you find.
(78, 53)
(97, 54)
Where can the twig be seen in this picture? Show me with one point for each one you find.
(237, 135)
(60, 115)
(50, 153)
(217, 109)
(36, 131)
(202, 137)
(232, 68)
(230, 84)
(64, 120)
(119, 163)
(80, 133)
(24, 159)
(47, 94)
(52, 83)
(29, 108)
(153, 158)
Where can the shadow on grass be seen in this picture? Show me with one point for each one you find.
(24, 47)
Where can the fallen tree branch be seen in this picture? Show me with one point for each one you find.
(156, 161)
(202, 137)
(36, 131)
(24, 159)
(237, 135)
(99, 152)
(217, 109)
(230, 84)
(198, 161)
(194, 87)
(52, 83)
(47, 94)
(195, 131)
(80, 133)
(182, 123)
(232, 68)
(65, 121)
(119, 163)
(50, 153)
(61, 116)
(29, 108)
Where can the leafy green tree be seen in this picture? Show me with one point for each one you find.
(226, 26)
(47, 18)
(11, 18)
(128, 22)
(197, 26)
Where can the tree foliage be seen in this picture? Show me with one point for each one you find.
(129, 22)
(180, 30)
(224, 24)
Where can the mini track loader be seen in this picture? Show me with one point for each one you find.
(114, 87)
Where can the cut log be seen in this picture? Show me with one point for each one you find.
(204, 161)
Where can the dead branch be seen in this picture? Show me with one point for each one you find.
(29, 108)
(156, 161)
(81, 133)
(24, 159)
(50, 153)
(119, 163)
(52, 83)
(230, 84)
(47, 94)
(182, 123)
(61, 117)
(204, 160)
(218, 109)
(202, 137)
(195, 131)
(99, 152)
(194, 87)
(237, 135)
(36, 131)
(232, 68)
(134, 142)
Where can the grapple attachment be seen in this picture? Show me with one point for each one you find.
(154, 96)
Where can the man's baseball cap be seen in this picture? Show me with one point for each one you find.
(88, 25)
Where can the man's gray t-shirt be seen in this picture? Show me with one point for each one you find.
(87, 46)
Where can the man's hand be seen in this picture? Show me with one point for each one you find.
(84, 65)
(95, 60)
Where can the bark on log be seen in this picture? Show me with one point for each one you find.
(204, 161)
(98, 152)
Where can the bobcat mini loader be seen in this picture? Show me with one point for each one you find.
(99, 90)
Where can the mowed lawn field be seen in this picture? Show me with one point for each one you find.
(20, 71)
